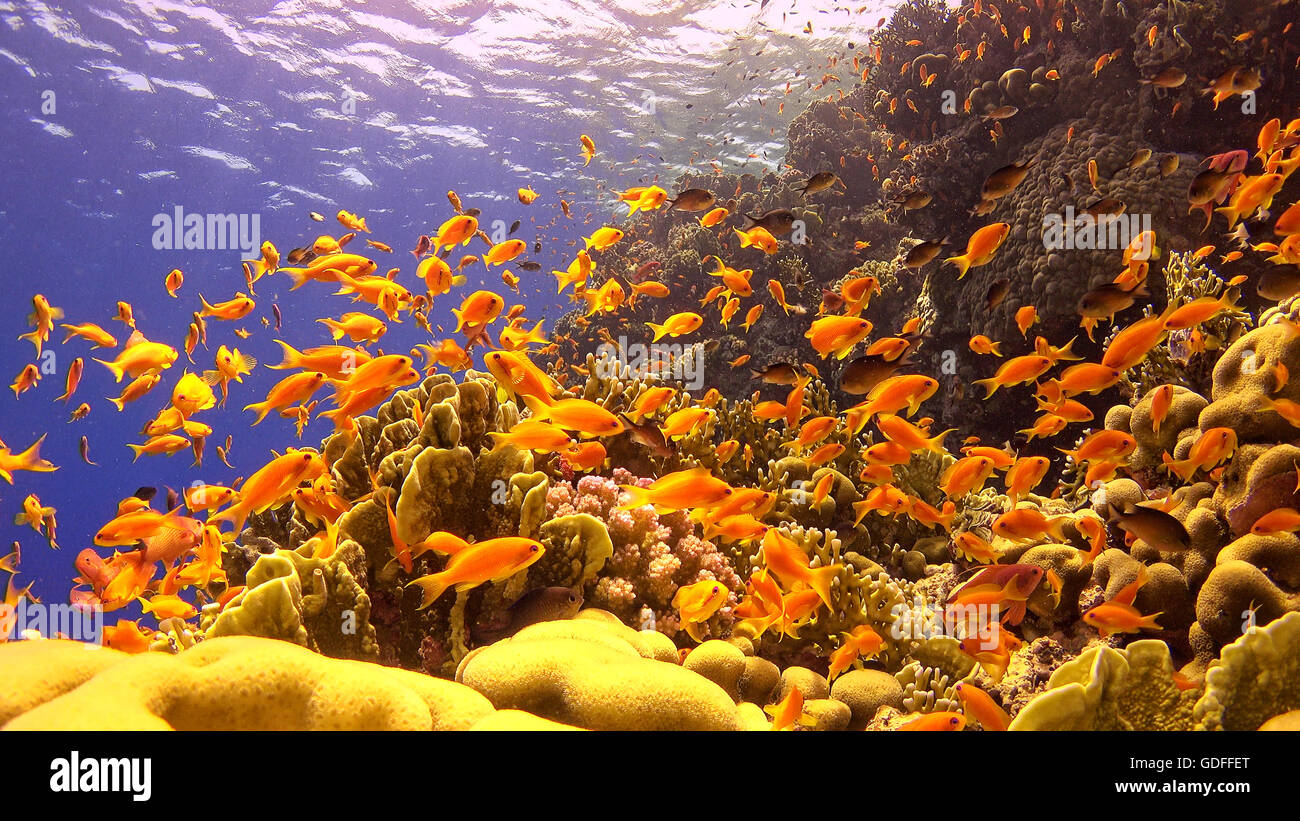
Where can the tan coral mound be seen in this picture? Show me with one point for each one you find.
(594, 673)
(231, 683)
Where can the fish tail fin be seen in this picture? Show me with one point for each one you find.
(658, 331)
(1182, 469)
(460, 319)
(962, 264)
(1231, 213)
(947, 513)
(935, 443)
(540, 409)
(1150, 621)
(820, 579)
(640, 497)
(262, 408)
(432, 586)
(116, 369)
(299, 277)
(292, 357)
(745, 241)
(1055, 524)
(990, 385)
(136, 449)
(336, 330)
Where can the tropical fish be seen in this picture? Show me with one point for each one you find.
(980, 248)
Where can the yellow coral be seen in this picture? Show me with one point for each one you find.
(590, 672)
(231, 683)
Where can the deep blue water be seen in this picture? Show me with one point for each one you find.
(243, 108)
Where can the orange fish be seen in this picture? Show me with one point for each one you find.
(493, 560)
(980, 248)
(1015, 371)
(788, 562)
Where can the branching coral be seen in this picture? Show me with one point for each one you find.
(652, 555)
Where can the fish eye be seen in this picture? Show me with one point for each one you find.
(533, 549)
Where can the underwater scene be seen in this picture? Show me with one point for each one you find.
(663, 365)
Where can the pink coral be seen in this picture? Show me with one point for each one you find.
(653, 556)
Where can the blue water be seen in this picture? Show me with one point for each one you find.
(116, 112)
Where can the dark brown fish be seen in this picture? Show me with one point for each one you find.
(1168, 165)
(85, 451)
(819, 182)
(543, 604)
(1005, 179)
(1155, 527)
(921, 253)
(531, 266)
(422, 246)
(145, 494)
(777, 373)
(1002, 112)
(644, 271)
(692, 199)
(1108, 300)
(831, 301)
(914, 200)
(275, 309)
(996, 293)
(1140, 156)
(648, 436)
(1209, 186)
(865, 372)
(1105, 207)
(1171, 77)
(534, 607)
(299, 255)
(1278, 282)
(778, 221)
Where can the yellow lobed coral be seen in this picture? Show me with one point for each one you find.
(1108, 689)
(231, 683)
(595, 673)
